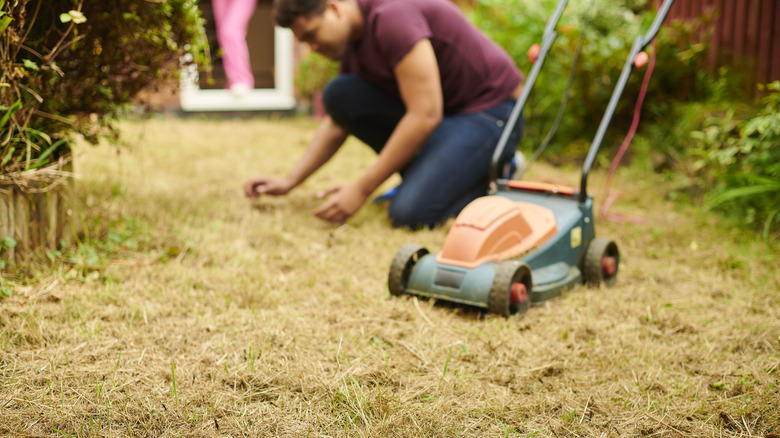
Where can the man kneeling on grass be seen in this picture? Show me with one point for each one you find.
(420, 85)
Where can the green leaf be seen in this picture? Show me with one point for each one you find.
(4, 22)
(742, 192)
(30, 65)
(8, 242)
(760, 179)
(78, 17)
(10, 112)
(44, 136)
(42, 159)
(769, 221)
(75, 16)
(8, 156)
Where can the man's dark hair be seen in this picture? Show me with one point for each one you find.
(286, 11)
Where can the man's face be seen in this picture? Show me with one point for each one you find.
(326, 33)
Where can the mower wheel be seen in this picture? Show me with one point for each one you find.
(402, 265)
(601, 262)
(511, 290)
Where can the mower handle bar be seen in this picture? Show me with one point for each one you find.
(548, 38)
(640, 43)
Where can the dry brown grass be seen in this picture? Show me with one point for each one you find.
(208, 317)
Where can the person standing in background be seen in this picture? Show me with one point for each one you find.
(232, 20)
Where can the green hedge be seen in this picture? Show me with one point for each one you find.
(697, 124)
(740, 159)
(613, 27)
(68, 66)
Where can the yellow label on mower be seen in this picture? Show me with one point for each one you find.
(576, 237)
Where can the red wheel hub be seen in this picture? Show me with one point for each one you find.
(518, 293)
(609, 266)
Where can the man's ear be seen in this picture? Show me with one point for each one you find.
(336, 6)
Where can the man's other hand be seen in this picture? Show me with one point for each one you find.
(265, 186)
(345, 200)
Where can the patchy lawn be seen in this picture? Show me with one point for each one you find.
(189, 311)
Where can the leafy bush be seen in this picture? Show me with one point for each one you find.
(742, 160)
(517, 24)
(314, 73)
(68, 66)
(733, 160)
(679, 74)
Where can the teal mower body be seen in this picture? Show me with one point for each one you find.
(546, 244)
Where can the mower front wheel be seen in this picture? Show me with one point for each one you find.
(601, 262)
(511, 290)
(402, 265)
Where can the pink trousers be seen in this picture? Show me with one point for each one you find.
(232, 19)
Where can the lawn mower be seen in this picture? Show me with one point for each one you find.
(524, 242)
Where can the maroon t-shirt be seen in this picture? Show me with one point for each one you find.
(476, 73)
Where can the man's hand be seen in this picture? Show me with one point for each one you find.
(346, 200)
(327, 140)
(266, 186)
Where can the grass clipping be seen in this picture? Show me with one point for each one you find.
(186, 310)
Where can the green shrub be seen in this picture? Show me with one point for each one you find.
(517, 24)
(314, 73)
(741, 159)
(679, 74)
(68, 66)
(733, 158)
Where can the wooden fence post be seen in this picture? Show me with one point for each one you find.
(33, 211)
(6, 221)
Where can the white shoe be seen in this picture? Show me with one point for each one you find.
(520, 164)
(514, 169)
(239, 90)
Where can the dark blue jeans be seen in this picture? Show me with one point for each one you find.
(452, 167)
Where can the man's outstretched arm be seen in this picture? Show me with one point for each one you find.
(326, 141)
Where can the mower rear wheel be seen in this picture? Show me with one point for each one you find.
(402, 265)
(511, 290)
(601, 262)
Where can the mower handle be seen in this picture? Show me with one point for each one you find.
(548, 38)
(640, 43)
